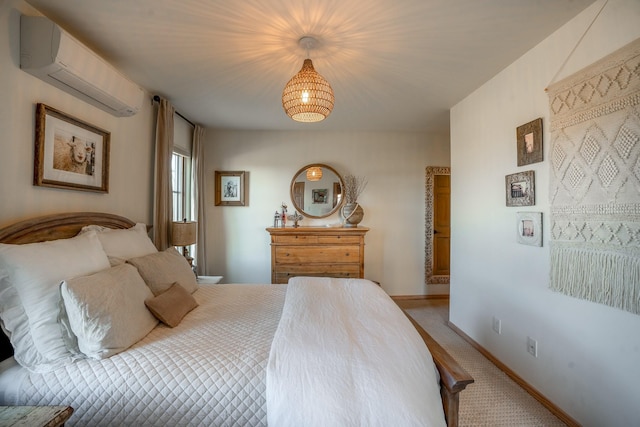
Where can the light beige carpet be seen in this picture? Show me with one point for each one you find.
(493, 399)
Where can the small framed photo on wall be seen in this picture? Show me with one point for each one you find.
(520, 189)
(230, 188)
(529, 142)
(529, 228)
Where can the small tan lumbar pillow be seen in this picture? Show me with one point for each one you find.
(172, 305)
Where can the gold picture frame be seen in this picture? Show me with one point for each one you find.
(70, 153)
(230, 188)
(529, 142)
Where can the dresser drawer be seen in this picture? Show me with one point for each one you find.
(338, 240)
(294, 240)
(313, 240)
(317, 254)
(316, 270)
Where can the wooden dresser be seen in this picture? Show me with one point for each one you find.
(316, 251)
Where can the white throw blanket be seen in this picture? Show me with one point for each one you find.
(344, 354)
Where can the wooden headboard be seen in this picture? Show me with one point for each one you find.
(59, 226)
(53, 227)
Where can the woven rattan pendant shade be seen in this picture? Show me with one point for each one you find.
(307, 97)
(314, 173)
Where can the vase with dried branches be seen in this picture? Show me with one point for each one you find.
(352, 212)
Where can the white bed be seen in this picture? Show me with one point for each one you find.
(314, 352)
(173, 376)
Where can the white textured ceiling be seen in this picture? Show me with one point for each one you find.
(393, 64)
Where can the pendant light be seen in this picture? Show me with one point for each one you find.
(314, 173)
(308, 97)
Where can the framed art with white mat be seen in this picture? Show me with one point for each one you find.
(529, 228)
(70, 153)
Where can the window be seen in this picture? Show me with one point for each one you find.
(181, 186)
(183, 206)
(181, 181)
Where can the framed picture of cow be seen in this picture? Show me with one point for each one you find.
(70, 153)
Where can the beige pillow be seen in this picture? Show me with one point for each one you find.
(172, 305)
(106, 311)
(122, 244)
(162, 269)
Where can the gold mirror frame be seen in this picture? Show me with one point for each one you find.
(334, 194)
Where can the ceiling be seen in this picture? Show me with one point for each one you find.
(393, 64)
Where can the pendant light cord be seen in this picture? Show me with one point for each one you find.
(309, 44)
(553, 80)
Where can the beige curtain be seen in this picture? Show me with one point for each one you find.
(197, 169)
(163, 211)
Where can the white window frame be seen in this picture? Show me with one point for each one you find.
(182, 186)
(182, 180)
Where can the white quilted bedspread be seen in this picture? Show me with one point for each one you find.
(209, 370)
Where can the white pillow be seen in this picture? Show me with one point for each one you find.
(30, 276)
(122, 244)
(106, 311)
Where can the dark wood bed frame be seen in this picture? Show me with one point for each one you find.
(453, 378)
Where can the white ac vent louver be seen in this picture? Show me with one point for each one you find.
(50, 53)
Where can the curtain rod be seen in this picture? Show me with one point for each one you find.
(156, 98)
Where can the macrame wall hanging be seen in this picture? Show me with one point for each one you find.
(595, 181)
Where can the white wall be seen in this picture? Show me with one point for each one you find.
(588, 353)
(239, 249)
(393, 201)
(131, 154)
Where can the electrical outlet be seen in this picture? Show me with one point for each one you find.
(532, 346)
(497, 325)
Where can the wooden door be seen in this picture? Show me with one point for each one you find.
(298, 194)
(441, 224)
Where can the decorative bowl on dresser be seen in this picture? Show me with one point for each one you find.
(316, 251)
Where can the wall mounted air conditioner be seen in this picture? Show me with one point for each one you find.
(50, 53)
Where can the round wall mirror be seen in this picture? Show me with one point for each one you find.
(316, 190)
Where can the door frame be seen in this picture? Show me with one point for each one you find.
(429, 277)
